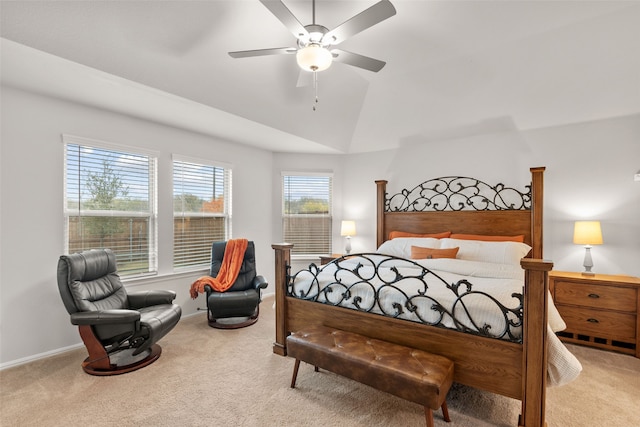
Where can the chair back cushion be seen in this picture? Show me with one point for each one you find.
(247, 269)
(89, 281)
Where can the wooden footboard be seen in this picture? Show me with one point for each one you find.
(482, 362)
(515, 370)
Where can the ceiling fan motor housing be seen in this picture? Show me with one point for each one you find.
(315, 34)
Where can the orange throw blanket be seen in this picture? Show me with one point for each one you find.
(231, 263)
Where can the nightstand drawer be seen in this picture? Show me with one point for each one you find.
(597, 296)
(599, 323)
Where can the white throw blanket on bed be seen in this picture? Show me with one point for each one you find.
(498, 280)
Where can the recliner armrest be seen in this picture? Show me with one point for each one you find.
(259, 282)
(140, 299)
(104, 317)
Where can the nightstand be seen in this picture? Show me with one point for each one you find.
(324, 259)
(600, 310)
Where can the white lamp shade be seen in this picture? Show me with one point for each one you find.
(314, 58)
(348, 228)
(587, 233)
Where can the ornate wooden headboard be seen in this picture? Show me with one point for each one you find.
(464, 205)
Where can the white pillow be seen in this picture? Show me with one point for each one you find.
(401, 246)
(496, 252)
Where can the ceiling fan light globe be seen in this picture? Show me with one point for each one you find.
(314, 58)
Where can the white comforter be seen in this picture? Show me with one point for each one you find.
(473, 310)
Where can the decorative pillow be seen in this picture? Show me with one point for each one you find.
(496, 252)
(428, 253)
(401, 246)
(396, 234)
(518, 238)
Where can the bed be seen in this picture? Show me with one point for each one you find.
(506, 351)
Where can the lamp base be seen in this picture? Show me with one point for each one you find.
(347, 247)
(588, 263)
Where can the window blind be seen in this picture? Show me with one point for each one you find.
(306, 213)
(110, 202)
(201, 211)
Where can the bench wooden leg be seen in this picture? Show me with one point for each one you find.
(445, 412)
(429, 415)
(295, 373)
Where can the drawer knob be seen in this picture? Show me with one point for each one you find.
(594, 296)
(592, 320)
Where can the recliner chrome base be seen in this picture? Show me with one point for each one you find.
(231, 323)
(121, 362)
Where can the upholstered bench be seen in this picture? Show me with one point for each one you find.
(411, 374)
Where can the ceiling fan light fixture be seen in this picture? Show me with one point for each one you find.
(314, 57)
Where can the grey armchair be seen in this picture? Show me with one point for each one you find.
(119, 328)
(239, 305)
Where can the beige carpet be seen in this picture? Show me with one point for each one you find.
(209, 377)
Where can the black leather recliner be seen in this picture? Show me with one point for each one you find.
(239, 305)
(119, 328)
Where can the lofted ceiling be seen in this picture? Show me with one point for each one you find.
(454, 68)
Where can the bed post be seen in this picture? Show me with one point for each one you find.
(283, 261)
(534, 338)
(380, 202)
(537, 194)
(534, 341)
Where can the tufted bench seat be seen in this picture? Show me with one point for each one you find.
(411, 374)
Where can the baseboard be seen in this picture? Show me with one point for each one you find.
(39, 356)
(268, 295)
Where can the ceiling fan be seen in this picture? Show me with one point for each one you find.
(315, 49)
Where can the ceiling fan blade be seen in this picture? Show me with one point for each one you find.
(357, 60)
(365, 19)
(286, 17)
(263, 52)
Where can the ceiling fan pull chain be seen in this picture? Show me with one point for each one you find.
(315, 87)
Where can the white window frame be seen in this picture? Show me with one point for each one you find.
(300, 253)
(151, 215)
(205, 241)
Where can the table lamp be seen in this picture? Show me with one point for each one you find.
(587, 233)
(348, 229)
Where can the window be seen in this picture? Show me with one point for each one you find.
(201, 210)
(306, 213)
(110, 202)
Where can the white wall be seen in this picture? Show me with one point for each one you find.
(33, 320)
(589, 175)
